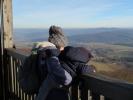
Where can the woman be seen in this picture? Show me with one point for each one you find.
(72, 59)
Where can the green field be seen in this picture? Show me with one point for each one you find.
(114, 70)
(112, 60)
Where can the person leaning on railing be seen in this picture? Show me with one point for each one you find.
(72, 59)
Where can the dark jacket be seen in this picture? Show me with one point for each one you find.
(48, 63)
(75, 59)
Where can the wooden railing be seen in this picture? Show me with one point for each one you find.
(111, 89)
(90, 87)
(14, 59)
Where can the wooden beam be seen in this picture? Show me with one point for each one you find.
(1, 55)
(7, 24)
(111, 89)
(6, 40)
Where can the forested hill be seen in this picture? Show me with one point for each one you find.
(109, 35)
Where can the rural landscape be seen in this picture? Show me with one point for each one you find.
(112, 48)
(29, 71)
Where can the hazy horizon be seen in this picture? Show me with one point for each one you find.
(74, 27)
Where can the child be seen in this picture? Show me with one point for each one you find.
(56, 76)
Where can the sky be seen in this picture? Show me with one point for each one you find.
(73, 13)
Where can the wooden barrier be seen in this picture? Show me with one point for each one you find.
(111, 89)
(90, 87)
(14, 61)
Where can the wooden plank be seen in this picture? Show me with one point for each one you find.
(20, 94)
(106, 98)
(12, 85)
(109, 87)
(14, 75)
(1, 73)
(10, 75)
(18, 54)
(83, 91)
(1, 77)
(1, 56)
(84, 94)
(17, 83)
(74, 92)
(95, 96)
(6, 86)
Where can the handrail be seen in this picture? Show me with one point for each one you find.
(17, 53)
(112, 89)
(109, 87)
(108, 79)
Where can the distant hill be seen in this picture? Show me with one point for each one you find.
(125, 44)
(105, 35)
(108, 53)
(84, 35)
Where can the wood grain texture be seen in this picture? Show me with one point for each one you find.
(7, 23)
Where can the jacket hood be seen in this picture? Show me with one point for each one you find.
(49, 52)
(76, 54)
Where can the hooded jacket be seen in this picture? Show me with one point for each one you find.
(72, 59)
(76, 59)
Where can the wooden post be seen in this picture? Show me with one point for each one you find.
(83, 91)
(6, 41)
(1, 55)
(74, 92)
(7, 24)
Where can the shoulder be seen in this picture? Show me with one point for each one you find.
(79, 54)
